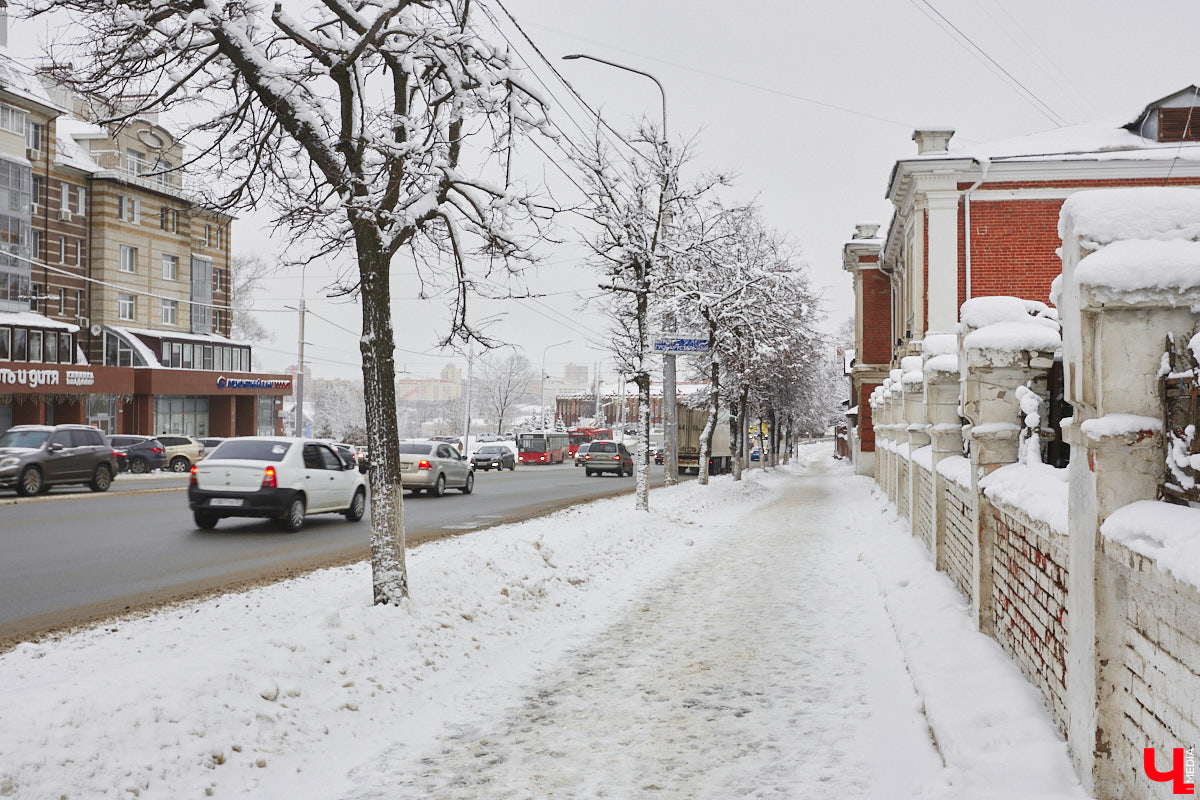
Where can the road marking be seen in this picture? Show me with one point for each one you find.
(47, 498)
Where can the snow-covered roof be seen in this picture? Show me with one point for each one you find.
(1089, 141)
(16, 79)
(29, 319)
(204, 338)
(145, 353)
(69, 132)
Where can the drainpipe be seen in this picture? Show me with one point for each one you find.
(983, 171)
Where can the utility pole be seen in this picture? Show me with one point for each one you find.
(299, 427)
(467, 391)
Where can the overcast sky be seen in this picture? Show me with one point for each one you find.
(809, 104)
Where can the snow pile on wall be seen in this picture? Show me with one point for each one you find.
(910, 367)
(1110, 215)
(1165, 533)
(1142, 270)
(1037, 489)
(1010, 324)
(956, 469)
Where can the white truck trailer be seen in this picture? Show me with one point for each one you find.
(691, 426)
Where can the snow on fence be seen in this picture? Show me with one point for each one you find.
(902, 492)
(923, 524)
(1029, 601)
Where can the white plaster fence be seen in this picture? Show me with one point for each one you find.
(1085, 579)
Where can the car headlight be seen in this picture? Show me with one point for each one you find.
(9, 462)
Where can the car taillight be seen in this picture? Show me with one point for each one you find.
(423, 464)
(192, 479)
(617, 457)
(268, 482)
(156, 450)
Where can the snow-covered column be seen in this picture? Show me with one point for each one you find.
(1131, 275)
(1006, 344)
(916, 431)
(942, 385)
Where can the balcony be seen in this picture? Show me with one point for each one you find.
(159, 177)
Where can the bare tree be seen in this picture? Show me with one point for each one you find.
(502, 383)
(632, 210)
(370, 128)
(246, 272)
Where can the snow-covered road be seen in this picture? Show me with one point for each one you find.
(782, 637)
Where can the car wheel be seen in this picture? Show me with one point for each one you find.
(205, 522)
(512, 466)
(30, 482)
(358, 506)
(101, 479)
(470, 485)
(180, 464)
(139, 466)
(589, 472)
(293, 518)
(439, 488)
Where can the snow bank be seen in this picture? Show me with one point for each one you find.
(258, 693)
(1110, 215)
(1037, 489)
(1167, 534)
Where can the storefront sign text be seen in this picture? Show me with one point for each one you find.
(252, 383)
(32, 378)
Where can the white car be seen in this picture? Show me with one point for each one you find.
(276, 477)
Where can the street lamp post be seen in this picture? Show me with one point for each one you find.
(542, 390)
(670, 426)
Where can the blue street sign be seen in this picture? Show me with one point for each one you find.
(680, 344)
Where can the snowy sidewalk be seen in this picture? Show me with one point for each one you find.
(782, 637)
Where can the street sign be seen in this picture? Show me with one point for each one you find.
(680, 344)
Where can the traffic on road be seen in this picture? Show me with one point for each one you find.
(247, 510)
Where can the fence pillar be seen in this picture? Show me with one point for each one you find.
(942, 385)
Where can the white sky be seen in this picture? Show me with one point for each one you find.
(735, 76)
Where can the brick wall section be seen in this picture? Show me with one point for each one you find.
(924, 521)
(902, 468)
(877, 318)
(1029, 600)
(958, 550)
(866, 426)
(1012, 249)
(1161, 693)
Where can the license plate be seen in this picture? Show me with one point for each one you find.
(225, 501)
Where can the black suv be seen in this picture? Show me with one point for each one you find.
(35, 457)
(142, 453)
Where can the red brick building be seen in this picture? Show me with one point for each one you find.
(982, 220)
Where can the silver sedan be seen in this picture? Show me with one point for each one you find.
(435, 467)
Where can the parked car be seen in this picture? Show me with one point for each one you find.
(607, 457)
(494, 455)
(659, 456)
(35, 457)
(181, 451)
(581, 454)
(138, 454)
(210, 442)
(276, 477)
(433, 467)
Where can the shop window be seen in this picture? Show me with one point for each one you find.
(66, 352)
(117, 352)
(51, 348)
(20, 348)
(186, 357)
(5, 344)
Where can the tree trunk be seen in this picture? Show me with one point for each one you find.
(714, 401)
(773, 436)
(641, 461)
(389, 577)
(739, 461)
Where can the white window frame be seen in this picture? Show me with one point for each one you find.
(171, 274)
(129, 260)
(62, 249)
(81, 199)
(79, 252)
(12, 119)
(126, 307)
(170, 312)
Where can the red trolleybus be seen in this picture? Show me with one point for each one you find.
(578, 436)
(542, 447)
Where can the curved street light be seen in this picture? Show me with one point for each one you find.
(542, 390)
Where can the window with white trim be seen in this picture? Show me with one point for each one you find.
(170, 312)
(127, 258)
(170, 267)
(126, 306)
(12, 119)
